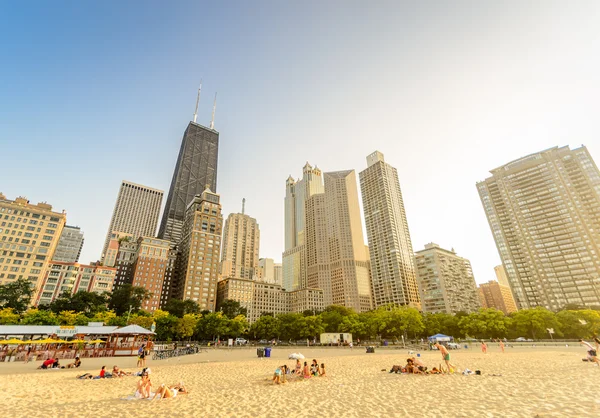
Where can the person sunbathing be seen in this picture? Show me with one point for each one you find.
(172, 391)
(116, 372)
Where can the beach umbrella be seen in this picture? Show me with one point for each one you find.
(11, 341)
(77, 341)
(44, 341)
(96, 341)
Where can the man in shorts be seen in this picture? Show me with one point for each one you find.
(446, 356)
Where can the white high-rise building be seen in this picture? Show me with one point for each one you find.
(136, 212)
(446, 281)
(325, 232)
(294, 256)
(392, 260)
(269, 271)
(544, 213)
(69, 245)
(241, 245)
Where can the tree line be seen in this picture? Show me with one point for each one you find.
(184, 320)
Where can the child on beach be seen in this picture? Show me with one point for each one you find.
(322, 370)
(298, 370)
(277, 375)
(306, 371)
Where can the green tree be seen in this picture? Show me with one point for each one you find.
(180, 307)
(266, 327)
(185, 327)
(333, 316)
(72, 318)
(88, 303)
(107, 317)
(399, 321)
(289, 326)
(143, 321)
(232, 308)
(126, 297)
(39, 317)
(534, 322)
(486, 323)
(9, 317)
(212, 325)
(165, 325)
(311, 327)
(237, 326)
(579, 323)
(16, 295)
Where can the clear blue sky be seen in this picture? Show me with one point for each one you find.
(94, 93)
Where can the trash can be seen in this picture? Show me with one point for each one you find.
(267, 351)
(370, 349)
(260, 352)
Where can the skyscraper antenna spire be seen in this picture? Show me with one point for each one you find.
(197, 101)
(243, 205)
(212, 121)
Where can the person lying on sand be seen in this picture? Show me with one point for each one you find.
(171, 391)
(116, 372)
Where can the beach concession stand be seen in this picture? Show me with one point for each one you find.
(67, 341)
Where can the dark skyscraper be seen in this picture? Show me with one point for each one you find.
(195, 170)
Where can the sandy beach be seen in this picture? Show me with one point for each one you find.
(534, 382)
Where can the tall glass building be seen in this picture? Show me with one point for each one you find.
(544, 213)
(196, 170)
(393, 275)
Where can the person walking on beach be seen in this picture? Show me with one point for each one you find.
(483, 347)
(446, 356)
(501, 345)
(141, 357)
(28, 353)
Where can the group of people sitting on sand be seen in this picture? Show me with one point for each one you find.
(416, 366)
(116, 372)
(53, 363)
(283, 373)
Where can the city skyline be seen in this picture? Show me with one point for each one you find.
(443, 130)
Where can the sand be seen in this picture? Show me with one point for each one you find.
(535, 382)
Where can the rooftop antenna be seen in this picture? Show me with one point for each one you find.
(197, 101)
(212, 121)
(243, 205)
